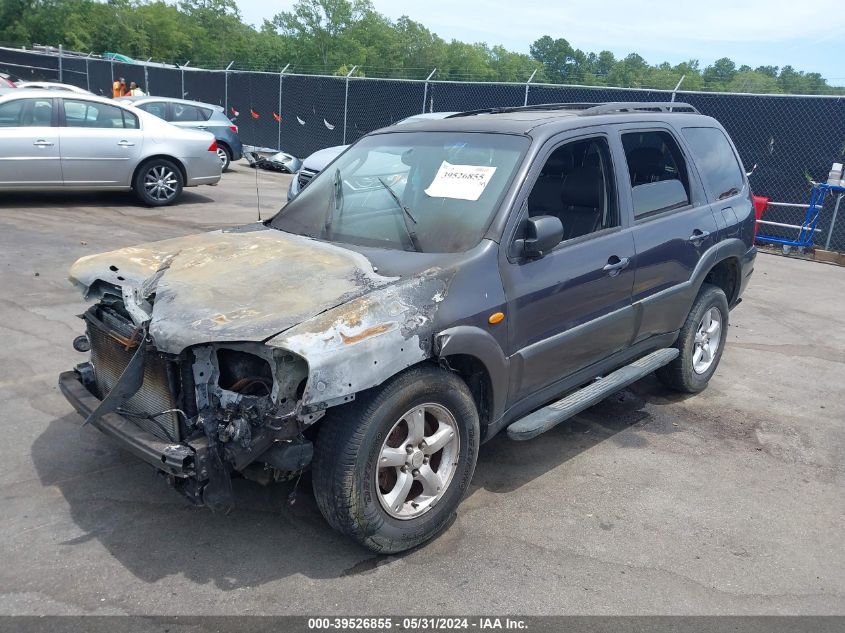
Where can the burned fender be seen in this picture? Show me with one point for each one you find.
(363, 343)
(473, 341)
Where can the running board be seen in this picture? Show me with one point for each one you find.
(551, 415)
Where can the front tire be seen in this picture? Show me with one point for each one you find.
(700, 341)
(158, 182)
(390, 469)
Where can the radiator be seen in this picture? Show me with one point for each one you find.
(110, 357)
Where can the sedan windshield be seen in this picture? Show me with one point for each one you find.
(432, 192)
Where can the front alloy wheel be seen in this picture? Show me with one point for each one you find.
(417, 461)
(391, 468)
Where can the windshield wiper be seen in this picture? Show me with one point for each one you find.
(406, 214)
(336, 204)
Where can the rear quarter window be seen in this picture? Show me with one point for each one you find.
(716, 161)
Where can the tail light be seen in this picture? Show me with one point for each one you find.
(213, 146)
(760, 205)
(234, 128)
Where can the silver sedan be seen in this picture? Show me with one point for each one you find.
(55, 140)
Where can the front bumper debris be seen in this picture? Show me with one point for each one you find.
(183, 460)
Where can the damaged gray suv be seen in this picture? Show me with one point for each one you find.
(436, 284)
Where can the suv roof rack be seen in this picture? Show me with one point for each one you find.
(640, 106)
(590, 109)
(539, 106)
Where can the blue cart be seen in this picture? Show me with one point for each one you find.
(807, 229)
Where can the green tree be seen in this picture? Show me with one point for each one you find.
(720, 74)
(561, 62)
(332, 36)
(318, 24)
(753, 81)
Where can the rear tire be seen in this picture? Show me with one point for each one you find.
(158, 182)
(225, 155)
(383, 505)
(700, 341)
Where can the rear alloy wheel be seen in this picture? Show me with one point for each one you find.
(391, 468)
(224, 156)
(158, 183)
(701, 341)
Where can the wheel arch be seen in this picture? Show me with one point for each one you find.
(167, 157)
(726, 274)
(725, 269)
(476, 356)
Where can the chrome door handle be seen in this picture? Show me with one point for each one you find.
(613, 268)
(126, 144)
(42, 143)
(698, 235)
(202, 127)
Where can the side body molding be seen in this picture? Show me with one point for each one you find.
(473, 341)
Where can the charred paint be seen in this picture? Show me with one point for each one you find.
(232, 286)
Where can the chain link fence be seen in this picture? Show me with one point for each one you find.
(792, 140)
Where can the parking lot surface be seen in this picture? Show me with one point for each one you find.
(730, 501)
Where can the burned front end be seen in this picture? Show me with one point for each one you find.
(200, 416)
(214, 355)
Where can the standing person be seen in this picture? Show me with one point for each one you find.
(135, 90)
(118, 88)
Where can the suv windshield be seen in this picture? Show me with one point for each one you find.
(416, 191)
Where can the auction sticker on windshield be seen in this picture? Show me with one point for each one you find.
(462, 182)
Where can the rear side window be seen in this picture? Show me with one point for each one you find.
(156, 108)
(657, 170)
(185, 113)
(716, 161)
(91, 114)
(27, 113)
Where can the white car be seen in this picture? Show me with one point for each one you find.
(53, 139)
(52, 85)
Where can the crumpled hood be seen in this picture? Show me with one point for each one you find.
(232, 285)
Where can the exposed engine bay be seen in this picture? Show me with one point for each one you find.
(235, 405)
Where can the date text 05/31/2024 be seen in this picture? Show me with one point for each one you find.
(416, 624)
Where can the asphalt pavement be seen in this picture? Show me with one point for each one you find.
(727, 502)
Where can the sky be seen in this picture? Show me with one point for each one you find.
(806, 35)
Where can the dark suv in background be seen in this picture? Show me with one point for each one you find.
(438, 282)
(199, 116)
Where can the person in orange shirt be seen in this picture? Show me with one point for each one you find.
(118, 88)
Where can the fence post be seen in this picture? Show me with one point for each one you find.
(182, 68)
(147, 76)
(111, 69)
(61, 56)
(425, 90)
(279, 122)
(678, 85)
(87, 73)
(226, 87)
(833, 222)
(527, 83)
(346, 102)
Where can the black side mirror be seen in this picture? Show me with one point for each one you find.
(542, 234)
